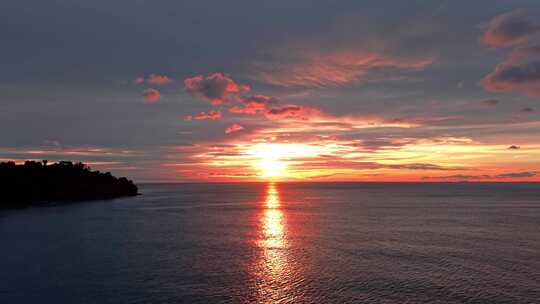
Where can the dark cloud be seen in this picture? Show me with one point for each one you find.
(215, 88)
(517, 174)
(211, 115)
(520, 72)
(525, 174)
(523, 78)
(375, 165)
(527, 110)
(459, 176)
(293, 112)
(509, 29)
(233, 128)
(151, 95)
(379, 143)
(421, 166)
(513, 147)
(522, 53)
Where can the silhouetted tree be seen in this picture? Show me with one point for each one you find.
(37, 182)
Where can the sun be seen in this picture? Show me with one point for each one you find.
(272, 168)
(271, 159)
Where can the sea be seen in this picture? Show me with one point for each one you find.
(279, 243)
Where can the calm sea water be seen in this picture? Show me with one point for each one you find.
(279, 243)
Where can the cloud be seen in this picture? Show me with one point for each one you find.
(489, 102)
(212, 115)
(151, 95)
(154, 79)
(215, 88)
(296, 112)
(525, 174)
(520, 72)
(52, 143)
(523, 78)
(517, 174)
(459, 176)
(522, 53)
(59, 152)
(420, 166)
(362, 165)
(158, 79)
(234, 128)
(513, 147)
(526, 110)
(308, 69)
(254, 105)
(509, 29)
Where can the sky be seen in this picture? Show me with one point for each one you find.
(180, 91)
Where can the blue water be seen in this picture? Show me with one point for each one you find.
(279, 243)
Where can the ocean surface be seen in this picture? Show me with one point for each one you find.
(279, 243)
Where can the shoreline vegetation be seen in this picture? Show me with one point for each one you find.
(38, 183)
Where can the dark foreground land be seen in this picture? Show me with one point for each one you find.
(37, 183)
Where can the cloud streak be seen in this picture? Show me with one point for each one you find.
(489, 102)
(510, 175)
(154, 79)
(337, 68)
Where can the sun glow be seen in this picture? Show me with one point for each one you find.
(271, 159)
(272, 168)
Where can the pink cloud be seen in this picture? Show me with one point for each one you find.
(215, 88)
(151, 95)
(332, 69)
(212, 115)
(158, 79)
(254, 105)
(154, 79)
(509, 29)
(234, 128)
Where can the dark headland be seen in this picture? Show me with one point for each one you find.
(37, 183)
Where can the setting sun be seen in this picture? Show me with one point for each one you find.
(271, 159)
(272, 168)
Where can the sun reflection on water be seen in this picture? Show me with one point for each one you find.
(272, 221)
(274, 271)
